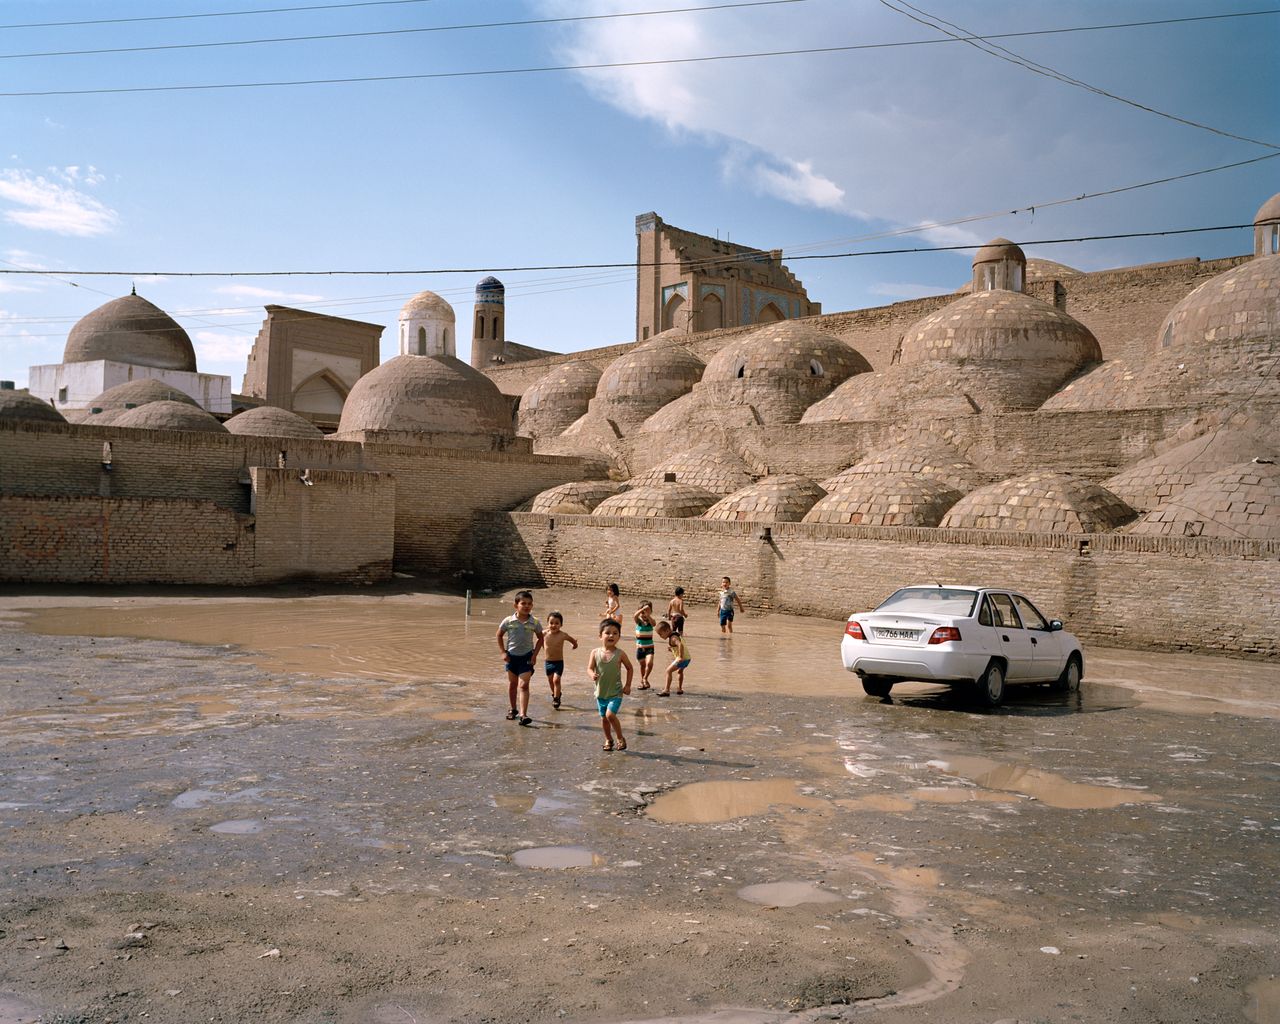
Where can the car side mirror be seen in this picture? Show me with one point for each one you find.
(1055, 625)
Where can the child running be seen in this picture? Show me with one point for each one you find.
(679, 657)
(520, 640)
(676, 613)
(644, 642)
(606, 666)
(555, 638)
(612, 606)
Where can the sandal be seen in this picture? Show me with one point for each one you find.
(664, 693)
(512, 715)
(526, 720)
(555, 703)
(608, 746)
(622, 744)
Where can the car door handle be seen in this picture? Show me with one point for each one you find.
(1033, 641)
(1004, 637)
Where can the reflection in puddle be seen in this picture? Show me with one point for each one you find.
(238, 827)
(703, 802)
(453, 716)
(787, 894)
(518, 803)
(195, 798)
(1050, 789)
(557, 857)
(1263, 1004)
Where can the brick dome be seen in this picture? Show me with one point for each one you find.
(923, 458)
(644, 379)
(597, 464)
(21, 405)
(577, 498)
(1162, 477)
(886, 499)
(169, 415)
(1241, 501)
(131, 330)
(411, 395)
(784, 498)
(717, 470)
(557, 399)
(129, 395)
(270, 421)
(1040, 503)
(1241, 305)
(427, 305)
(672, 501)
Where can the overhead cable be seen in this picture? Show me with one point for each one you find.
(217, 14)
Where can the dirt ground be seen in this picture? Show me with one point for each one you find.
(307, 807)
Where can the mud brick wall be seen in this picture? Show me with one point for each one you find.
(1160, 593)
(332, 524)
(123, 540)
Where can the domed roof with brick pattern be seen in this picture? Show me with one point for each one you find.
(644, 379)
(718, 470)
(426, 395)
(557, 399)
(597, 464)
(22, 405)
(169, 415)
(1241, 501)
(1241, 305)
(1154, 481)
(787, 350)
(576, 498)
(426, 304)
(886, 499)
(919, 457)
(1040, 503)
(672, 501)
(271, 421)
(131, 330)
(784, 498)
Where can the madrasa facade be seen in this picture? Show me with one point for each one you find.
(1104, 441)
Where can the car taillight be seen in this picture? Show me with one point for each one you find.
(854, 630)
(944, 634)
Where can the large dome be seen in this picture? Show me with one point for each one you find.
(1156, 481)
(644, 379)
(557, 399)
(270, 421)
(922, 457)
(1040, 503)
(886, 499)
(21, 405)
(131, 330)
(1241, 305)
(576, 498)
(714, 469)
(425, 395)
(671, 501)
(169, 416)
(784, 498)
(1240, 501)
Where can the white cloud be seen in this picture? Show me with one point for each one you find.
(45, 205)
(25, 260)
(10, 286)
(904, 289)
(248, 291)
(150, 279)
(220, 347)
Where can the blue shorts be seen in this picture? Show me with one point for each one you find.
(554, 668)
(681, 665)
(607, 704)
(726, 615)
(644, 652)
(520, 664)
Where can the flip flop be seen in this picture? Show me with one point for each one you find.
(663, 693)
(608, 746)
(526, 720)
(555, 703)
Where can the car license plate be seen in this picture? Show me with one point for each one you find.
(897, 634)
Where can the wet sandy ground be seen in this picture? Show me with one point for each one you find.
(309, 808)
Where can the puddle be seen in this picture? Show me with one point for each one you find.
(237, 827)
(519, 804)
(787, 894)
(453, 716)
(14, 1011)
(1263, 1003)
(557, 857)
(1050, 789)
(705, 802)
(193, 798)
(957, 795)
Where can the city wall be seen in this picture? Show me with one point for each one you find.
(1195, 594)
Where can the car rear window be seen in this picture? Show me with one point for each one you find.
(931, 601)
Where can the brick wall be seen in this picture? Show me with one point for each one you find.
(1162, 593)
(123, 540)
(328, 524)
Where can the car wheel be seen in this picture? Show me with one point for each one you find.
(989, 689)
(877, 686)
(1069, 681)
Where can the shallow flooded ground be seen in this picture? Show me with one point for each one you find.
(311, 808)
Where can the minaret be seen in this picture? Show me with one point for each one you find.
(1000, 265)
(488, 330)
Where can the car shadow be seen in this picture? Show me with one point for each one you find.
(1021, 701)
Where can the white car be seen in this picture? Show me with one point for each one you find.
(980, 637)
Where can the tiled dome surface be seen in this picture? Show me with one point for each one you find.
(785, 351)
(1241, 501)
(596, 463)
(577, 498)
(717, 470)
(427, 304)
(557, 399)
(886, 500)
(673, 501)
(1154, 481)
(426, 394)
(131, 330)
(169, 416)
(140, 392)
(270, 421)
(21, 405)
(775, 499)
(1000, 326)
(641, 381)
(1242, 304)
(1040, 503)
(913, 458)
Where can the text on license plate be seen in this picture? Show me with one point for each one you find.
(897, 634)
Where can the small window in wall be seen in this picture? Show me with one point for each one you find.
(497, 328)
(742, 369)
(988, 278)
(645, 337)
(62, 394)
(1275, 239)
(444, 338)
(479, 327)
(815, 368)
(422, 341)
(1017, 278)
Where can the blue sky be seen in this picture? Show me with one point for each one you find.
(806, 153)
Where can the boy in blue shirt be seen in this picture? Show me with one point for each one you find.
(520, 640)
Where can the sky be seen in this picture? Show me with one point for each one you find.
(814, 153)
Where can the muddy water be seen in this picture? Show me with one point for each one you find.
(705, 802)
(1263, 1005)
(557, 857)
(787, 894)
(1050, 789)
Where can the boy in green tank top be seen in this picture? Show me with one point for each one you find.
(606, 665)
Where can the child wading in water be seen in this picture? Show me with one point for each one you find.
(676, 612)
(555, 638)
(606, 666)
(644, 642)
(679, 657)
(612, 606)
(520, 640)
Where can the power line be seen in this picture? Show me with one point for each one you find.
(399, 31)
(923, 17)
(217, 14)
(596, 17)
(595, 266)
(613, 65)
